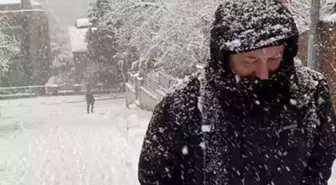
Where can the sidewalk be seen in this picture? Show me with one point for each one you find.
(60, 93)
(50, 100)
(35, 104)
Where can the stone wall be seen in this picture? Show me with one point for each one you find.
(148, 91)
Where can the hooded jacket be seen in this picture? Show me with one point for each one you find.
(218, 130)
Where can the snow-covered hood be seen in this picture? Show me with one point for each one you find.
(243, 25)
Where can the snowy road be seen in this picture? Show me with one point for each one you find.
(52, 141)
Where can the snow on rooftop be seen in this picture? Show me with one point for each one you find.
(83, 23)
(8, 2)
(77, 39)
(35, 4)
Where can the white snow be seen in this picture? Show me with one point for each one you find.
(327, 13)
(185, 150)
(234, 43)
(206, 128)
(77, 39)
(238, 78)
(202, 145)
(35, 4)
(328, 18)
(5, 2)
(83, 23)
(293, 102)
(53, 141)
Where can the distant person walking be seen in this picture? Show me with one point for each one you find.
(89, 100)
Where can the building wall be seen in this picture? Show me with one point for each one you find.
(39, 49)
(14, 22)
(31, 28)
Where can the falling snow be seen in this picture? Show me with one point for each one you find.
(293, 102)
(185, 150)
(206, 128)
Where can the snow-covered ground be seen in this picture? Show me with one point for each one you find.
(52, 141)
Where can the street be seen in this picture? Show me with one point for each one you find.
(52, 142)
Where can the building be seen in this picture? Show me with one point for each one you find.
(26, 22)
(84, 67)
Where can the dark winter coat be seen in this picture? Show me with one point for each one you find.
(219, 130)
(89, 97)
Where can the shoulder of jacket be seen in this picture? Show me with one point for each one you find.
(308, 85)
(307, 78)
(183, 97)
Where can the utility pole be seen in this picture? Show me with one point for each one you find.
(312, 42)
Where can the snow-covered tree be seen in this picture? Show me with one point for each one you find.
(301, 12)
(328, 10)
(102, 44)
(9, 46)
(172, 35)
(93, 13)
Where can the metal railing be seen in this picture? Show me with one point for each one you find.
(54, 89)
(23, 90)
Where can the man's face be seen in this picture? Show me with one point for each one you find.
(258, 63)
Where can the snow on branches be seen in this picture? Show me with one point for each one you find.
(170, 35)
(9, 45)
(301, 12)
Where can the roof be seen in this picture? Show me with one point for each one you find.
(77, 39)
(35, 4)
(83, 23)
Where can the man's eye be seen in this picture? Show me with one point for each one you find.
(250, 62)
(274, 60)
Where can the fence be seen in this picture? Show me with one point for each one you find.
(146, 92)
(151, 83)
(166, 81)
(51, 90)
(22, 91)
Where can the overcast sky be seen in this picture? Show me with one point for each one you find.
(66, 11)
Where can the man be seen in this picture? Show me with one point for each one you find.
(252, 117)
(90, 100)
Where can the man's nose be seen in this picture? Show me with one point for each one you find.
(262, 71)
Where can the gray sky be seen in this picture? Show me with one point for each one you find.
(66, 11)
